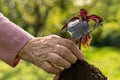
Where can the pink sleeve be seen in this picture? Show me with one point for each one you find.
(12, 40)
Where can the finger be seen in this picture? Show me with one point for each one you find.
(65, 53)
(54, 58)
(50, 68)
(69, 44)
(53, 37)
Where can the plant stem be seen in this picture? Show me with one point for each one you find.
(79, 43)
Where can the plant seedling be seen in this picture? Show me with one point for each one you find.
(79, 29)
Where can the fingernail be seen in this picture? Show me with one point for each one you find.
(81, 56)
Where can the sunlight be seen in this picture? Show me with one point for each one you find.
(81, 2)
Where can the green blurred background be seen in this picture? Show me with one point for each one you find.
(45, 17)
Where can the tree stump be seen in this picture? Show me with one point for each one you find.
(81, 70)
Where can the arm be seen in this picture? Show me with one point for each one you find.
(12, 40)
(51, 53)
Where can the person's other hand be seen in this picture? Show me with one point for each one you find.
(51, 53)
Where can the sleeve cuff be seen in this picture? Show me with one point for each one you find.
(16, 61)
(12, 40)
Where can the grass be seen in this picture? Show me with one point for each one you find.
(105, 58)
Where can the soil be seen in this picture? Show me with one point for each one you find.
(81, 70)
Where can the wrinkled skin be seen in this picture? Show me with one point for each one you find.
(51, 53)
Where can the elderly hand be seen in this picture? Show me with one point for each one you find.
(51, 53)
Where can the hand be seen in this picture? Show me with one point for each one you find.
(51, 53)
